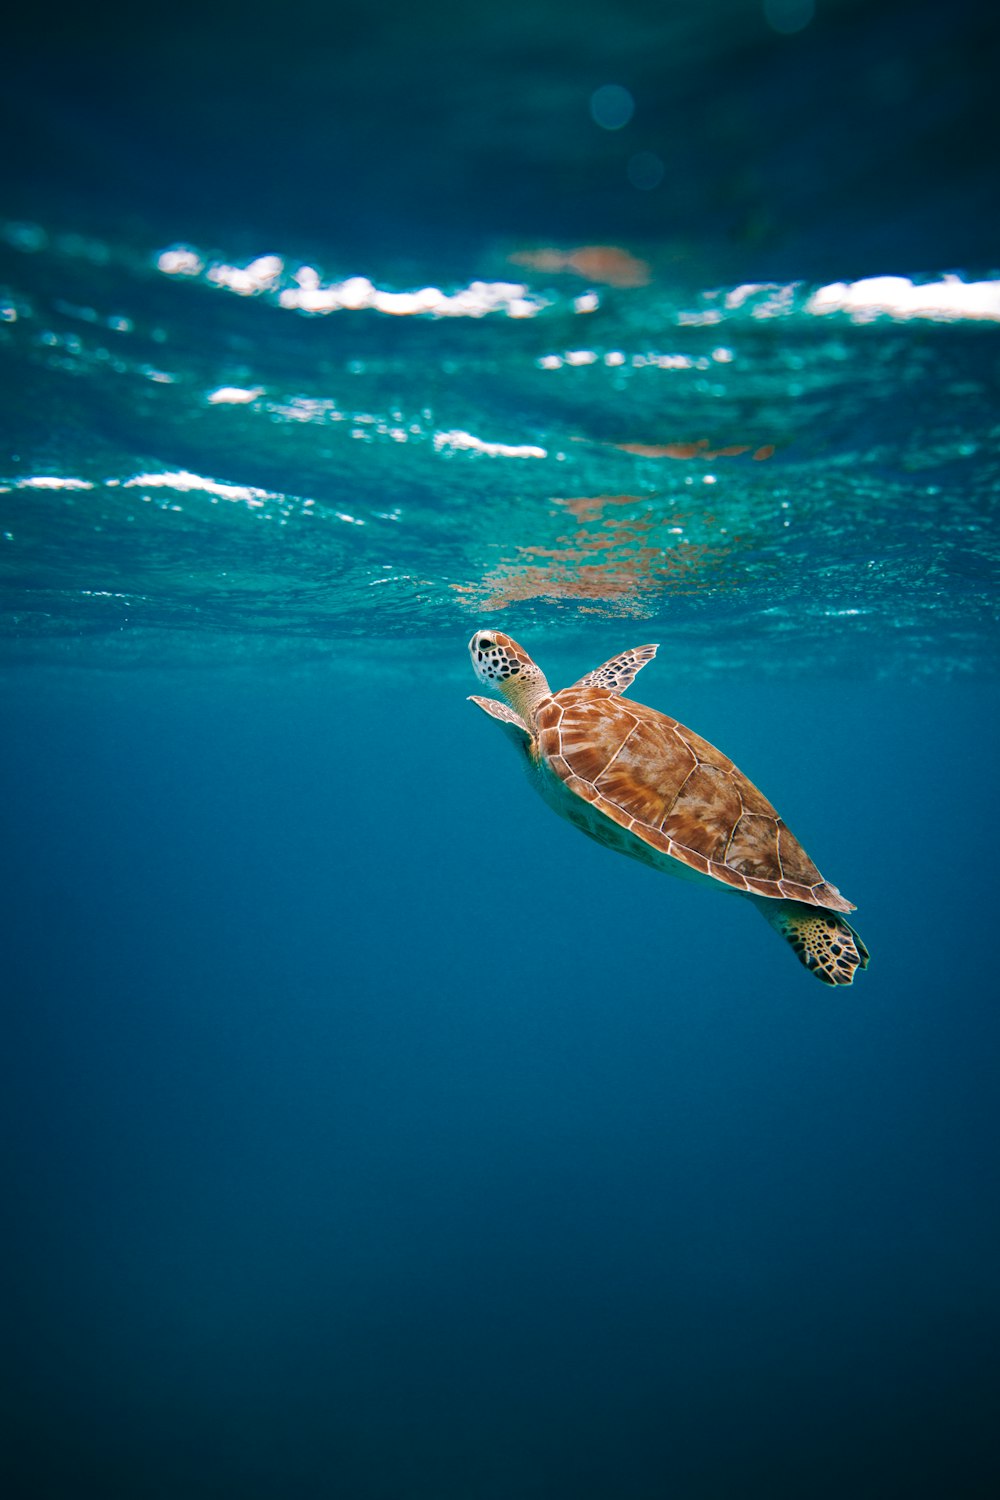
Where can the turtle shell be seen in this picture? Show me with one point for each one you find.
(677, 793)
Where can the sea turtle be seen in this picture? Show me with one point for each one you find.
(639, 782)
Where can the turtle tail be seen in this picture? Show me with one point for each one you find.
(822, 941)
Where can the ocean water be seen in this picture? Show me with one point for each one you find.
(369, 1133)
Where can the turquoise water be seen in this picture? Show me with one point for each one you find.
(370, 1133)
(779, 473)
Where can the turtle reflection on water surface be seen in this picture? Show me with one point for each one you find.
(639, 782)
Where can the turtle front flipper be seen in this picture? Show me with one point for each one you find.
(822, 941)
(619, 673)
(512, 722)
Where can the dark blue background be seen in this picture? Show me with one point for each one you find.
(376, 1135)
(864, 143)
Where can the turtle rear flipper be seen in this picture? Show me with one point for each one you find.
(822, 941)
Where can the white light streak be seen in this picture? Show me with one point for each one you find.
(948, 300)
(457, 439)
(53, 482)
(234, 395)
(699, 319)
(180, 262)
(737, 295)
(260, 275)
(182, 480)
(303, 290)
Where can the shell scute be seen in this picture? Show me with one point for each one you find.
(795, 862)
(636, 763)
(754, 801)
(549, 715)
(729, 876)
(753, 848)
(643, 802)
(657, 840)
(825, 894)
(704, 813)
(616, 814)
(590, 740)
(696, 861)
(582, 789)
(706, 754)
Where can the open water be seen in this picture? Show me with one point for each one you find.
(369, 1133)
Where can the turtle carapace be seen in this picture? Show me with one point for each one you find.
(644, 785)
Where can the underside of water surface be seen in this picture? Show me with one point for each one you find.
(258, 458)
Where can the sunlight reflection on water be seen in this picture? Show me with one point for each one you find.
(446, 454)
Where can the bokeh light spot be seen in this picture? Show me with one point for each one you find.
(645, 170)
(611, 106)
(789, 16)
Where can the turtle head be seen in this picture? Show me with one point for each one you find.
(504, 666)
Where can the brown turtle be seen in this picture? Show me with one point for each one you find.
(639, 782)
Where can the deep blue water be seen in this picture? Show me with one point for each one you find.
(375, 1134)
(369, 1133)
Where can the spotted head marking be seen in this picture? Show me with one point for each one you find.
(501, 664)
(495, 657)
